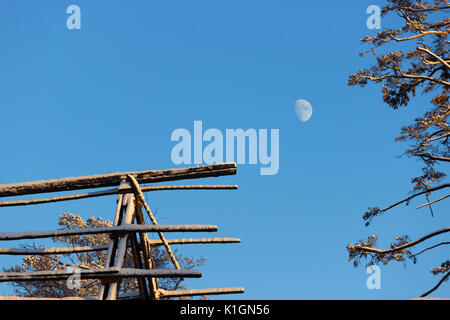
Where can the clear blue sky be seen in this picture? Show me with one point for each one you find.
(106, 98)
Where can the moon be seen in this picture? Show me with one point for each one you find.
(303, 109)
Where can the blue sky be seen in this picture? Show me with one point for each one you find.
(106, 98)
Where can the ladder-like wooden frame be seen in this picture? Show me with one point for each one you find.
(129, 223)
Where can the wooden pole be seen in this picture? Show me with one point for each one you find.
(114, 273)
(68, 250)
(199, 292)
(138, 265)
(13, 298)
(146, 252)
(112, 247)
(114, 191)
(185, 293)
(119, 255)
(114, 179)
(196, 241)
(49, 251)
(140, 195)
(7, 236)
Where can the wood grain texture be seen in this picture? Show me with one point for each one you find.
(112, 230)
(108, 192)
(97, 274)
(114, 179)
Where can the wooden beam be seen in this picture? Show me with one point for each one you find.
(112, 230)
(140, 197)
(119, 254)
(114, 179)
(138, 264)
(134, 295)
(68, 250)
(199, 292)
(196, 241)
(46, 298)
(146, 253)
(112, 246)
(114, 273)
(113, 192)
(184, 293)
(49, 251)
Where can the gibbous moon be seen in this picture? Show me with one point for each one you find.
(303, 109)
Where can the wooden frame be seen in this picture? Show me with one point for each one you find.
(128, 223)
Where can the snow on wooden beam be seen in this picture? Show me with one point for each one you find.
(13, 298)
(48, 251)
(183, 293)
(113, 273)
(112, 230)
(113, 192)
(199, 292)
(114, 179)
(197, 241)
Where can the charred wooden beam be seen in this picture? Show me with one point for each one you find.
(114, 179)
(112, 230)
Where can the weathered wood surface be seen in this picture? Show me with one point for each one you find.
(48, 251)
(113, 192)
(184, 293)
(140, 197)
(146, 250)
(135, 295)
(114, 179)
(13, 298)
(196, 241)
(115, 273)
(118, 257)
(112, 230)
(138, 263)
(112, 247)
(199, 292)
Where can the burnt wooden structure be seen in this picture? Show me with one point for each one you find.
(129, 230)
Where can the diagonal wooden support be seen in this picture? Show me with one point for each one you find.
(147, 253)
(135, 185)
(143, 292)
